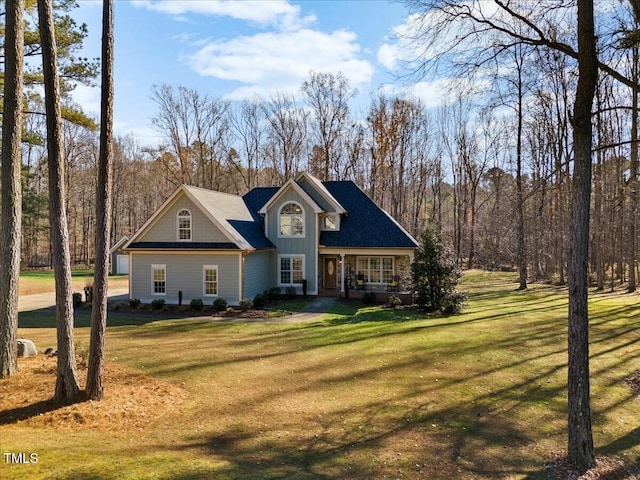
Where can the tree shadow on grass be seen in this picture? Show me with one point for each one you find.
(412, 448)
(18, 414)
(46, 318)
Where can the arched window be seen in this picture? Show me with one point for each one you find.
(184, 225)
(291, 219)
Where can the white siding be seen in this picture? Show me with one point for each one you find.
(165, 229)
(184, 273)
(257, 274)
(307, 246)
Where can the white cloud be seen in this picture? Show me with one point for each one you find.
(146, 136)
(281, 60)
(275, 12)
(438, 92)
(88, 98)
(388, 56)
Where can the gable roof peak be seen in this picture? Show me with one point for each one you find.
(291, 183)
(318, 186)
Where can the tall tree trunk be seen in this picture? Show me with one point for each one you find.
(67, 387)
(103, 212)
(522, 258)
(580, 441)
(633, 178)
(11, 186)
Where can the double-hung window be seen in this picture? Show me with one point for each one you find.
(290, 269)
(210, 280)
(184, 225)
(159, 279)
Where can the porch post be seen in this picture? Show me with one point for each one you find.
(342, 273)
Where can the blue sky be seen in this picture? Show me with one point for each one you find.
(237, 49)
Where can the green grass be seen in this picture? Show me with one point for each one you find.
(363, 393)
(41, 281)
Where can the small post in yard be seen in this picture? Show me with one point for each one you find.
(179, 298)
(304, 289)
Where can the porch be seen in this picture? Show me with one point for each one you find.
(382, 295)
(384, 273)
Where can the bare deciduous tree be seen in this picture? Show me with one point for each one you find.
(286, 135)
(328, 97)
(581, 452)
(249, 129)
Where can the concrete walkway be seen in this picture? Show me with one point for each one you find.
(27, 303)
(316, 309)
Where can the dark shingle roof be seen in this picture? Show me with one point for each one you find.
(256, 198)
(184, 246)
(252, 232)
(365, 224)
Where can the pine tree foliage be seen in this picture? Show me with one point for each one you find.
(436, 274)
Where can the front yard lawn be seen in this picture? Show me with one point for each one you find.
(362, 393)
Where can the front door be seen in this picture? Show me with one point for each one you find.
(330, 269)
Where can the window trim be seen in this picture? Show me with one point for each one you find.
(304, 230)
(204, 281)
(180, 216)
(155, 267)
(291, 257)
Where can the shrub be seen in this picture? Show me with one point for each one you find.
(196, 304)
(273, 293)
(435, 275)
(219, 304)
(454, 303)
(369, 298)
(260, 301)
(394, 301)
(246, 305)
(291, 292)
(158, 304)
(134, 302)
(77, 299)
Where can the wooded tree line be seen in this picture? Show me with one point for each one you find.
(490, 168)
(453, 166)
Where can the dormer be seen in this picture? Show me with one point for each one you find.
(330, 222)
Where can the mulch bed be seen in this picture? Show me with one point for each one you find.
(607, 468)
(132, 400)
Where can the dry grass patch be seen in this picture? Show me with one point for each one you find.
(132, 400)
(41, 281)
